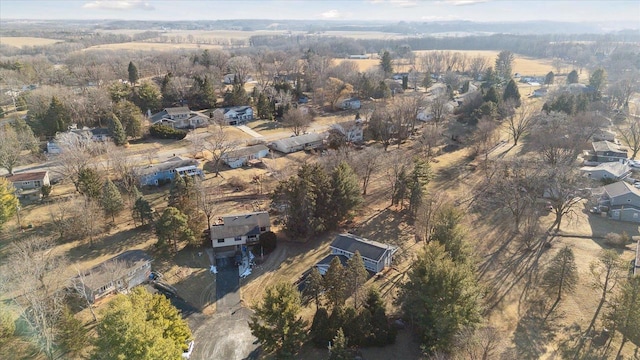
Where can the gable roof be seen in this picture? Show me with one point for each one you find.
(256, 218)
(367, 248)
(606, 146)
(102, 273)
(236, 109)
(300, 140)
(245, 151)
(177, 110)
(620, 188)
(170, 164)
(228, 231)
(327, 260)
(28, 176)
(613, 168)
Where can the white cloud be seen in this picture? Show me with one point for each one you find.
(464, 2)
(396, 3)
(331, 14)
(118, 5)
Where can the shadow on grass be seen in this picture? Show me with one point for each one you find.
(112, 244)
(533, 333)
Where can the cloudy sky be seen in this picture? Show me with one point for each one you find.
(394, 10)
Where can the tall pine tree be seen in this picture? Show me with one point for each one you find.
(133, 73)
(112, 203)
(117, 131)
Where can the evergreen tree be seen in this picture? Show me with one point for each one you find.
(133, 73)
(381, 333)
(117, 131)
(511, 93)
(492, 95)
(561, 276)
(276, 321)
(130, 117)
(504, 63)
(549, 78)
(427, 81)
(8, 201)
(418, 179)
(320, 330)
(147, 97)
(598, 80)
(55, 119)
(355, 275)
(335, 284)
(441, 297)
(314, 286)
(405, 82)
(173, 227)
(572, 78)
(346, 194)
(112, 202)
(624, 315)
(339, 349)
(89, 183)
(400, 188)
(72, 335)
(386, 63)
(356, 326)
(142, 211)
(465, 87)
(448, 231)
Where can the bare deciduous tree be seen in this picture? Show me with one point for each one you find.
(438, 108)
(219, 144)
(630, 134)
(561, 189)
(33, 275)
(13, 142)
(365, 163)
(241, 66)
(298, 120)
(483, 343)
(521, 122)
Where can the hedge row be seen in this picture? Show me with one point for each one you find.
(159, 131)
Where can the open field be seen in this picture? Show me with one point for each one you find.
(521, 64)
(147, 46)
(26, 41)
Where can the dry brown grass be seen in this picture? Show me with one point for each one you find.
(148, 46)
(23, 41)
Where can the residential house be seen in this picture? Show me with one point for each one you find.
(118, 274)
(621, 200)
(234, 231)
(96, 134)
(53, 148)
(240, 157)
(297, 143)
(159, 174)
(350, 104)
(179, 118)
(604, 135)
(608, 170)
(359, 57)
(235, 115)
(376, 256)
(28, 185)
(353, 131)
(605, 151)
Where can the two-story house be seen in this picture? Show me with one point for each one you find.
(28, 185)
(376, 256)
(179, 118)
(234, 231)
(235, 115)
(353, 131)
(621, 200)
(605, 151)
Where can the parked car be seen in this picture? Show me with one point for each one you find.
(595, 210)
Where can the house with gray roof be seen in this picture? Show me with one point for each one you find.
(621, 200)
(242, 156)
(606, 151)
(298, 143)
(607, 171)
(118, 274)
(179, 118)
(376, 255)
(231, 232)
(165, 172)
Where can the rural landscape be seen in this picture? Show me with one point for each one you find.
(321, 189)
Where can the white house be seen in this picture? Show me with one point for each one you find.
(233, 231)
(235, 115)
(297, 143)
(165, 172)
(608, 170)
(179, 118)
(28, 185)
(242, 156)
(352, 130)
(376, 256)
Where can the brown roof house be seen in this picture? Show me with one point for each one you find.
(28, 185)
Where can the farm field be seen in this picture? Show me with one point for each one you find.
(148, 46)
(20, 41)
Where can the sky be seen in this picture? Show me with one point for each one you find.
(350, 10)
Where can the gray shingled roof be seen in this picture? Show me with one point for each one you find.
(167, 165)
(606, 146)
(178, 110)
(327, 259)
(228, 231)
(300, 140)
(245, 151)
(102, 273)
(367, 248)
(620, 188)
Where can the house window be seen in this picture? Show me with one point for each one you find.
(26, 183)
(238, 238)
(220, 241)
(263, 228)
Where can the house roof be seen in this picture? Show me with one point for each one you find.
(177, 110)
(170, 164)
(606, 146)
(327, 260)
(236, 109)
(367, 248)
(620, 188)
(225, 231)
(613, 168)
(115, 268)
(28, 176)
(300, 140)
(245, 151)
(258, 218)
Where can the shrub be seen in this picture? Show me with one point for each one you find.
(268, 241)
(159, 131)
(617, 240)
(237, 183)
